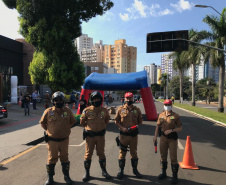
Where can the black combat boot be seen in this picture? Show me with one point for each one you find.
(103, 167)
(164, 167)
(65, 170)
(121, 168)
(175, 168)
(87, 164)
(50, 170)
(134, 163)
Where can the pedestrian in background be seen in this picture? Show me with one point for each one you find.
(127, 116)
(57, 122)
(168, 125)
(172, 98)
(107, 100)
(94, 120)
(26, 101)
(47, 98)
(82, 103)
(122, 99)
(34, 99)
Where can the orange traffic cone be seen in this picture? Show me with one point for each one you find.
(73, 107)
(19, 102)
(188, 160)
(66, 104)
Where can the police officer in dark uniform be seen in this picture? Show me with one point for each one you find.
(126, 117)
(57, 122)
(94, 119)
(168, 125)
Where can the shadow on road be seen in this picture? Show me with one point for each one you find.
(210, 169)
(201, 130)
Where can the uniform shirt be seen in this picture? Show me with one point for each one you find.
(170, 121)
(94, 119)
(128, 116)
(57, 125)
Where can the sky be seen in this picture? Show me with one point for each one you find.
(132, 20)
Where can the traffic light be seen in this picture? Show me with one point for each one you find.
(167, 41)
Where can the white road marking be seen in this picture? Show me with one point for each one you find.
(180, 146)
(209, 107)
(70, 145)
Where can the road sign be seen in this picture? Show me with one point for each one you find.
(167, 41)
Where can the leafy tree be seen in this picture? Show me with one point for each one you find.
(154, 87)
(216, 38)
(51, 26)
(175, 87)
(205, 91)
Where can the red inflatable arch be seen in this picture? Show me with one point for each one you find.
(122, 81)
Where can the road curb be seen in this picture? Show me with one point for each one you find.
(201, 116)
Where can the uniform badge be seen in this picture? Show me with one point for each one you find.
(51, 113)
(65, 114)
(172, 117)
(135, 111)
(102, 113)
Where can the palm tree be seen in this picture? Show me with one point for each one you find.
(180, 63)
(163, 78)
(194, 55)
(216, 38)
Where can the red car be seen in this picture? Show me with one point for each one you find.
(3, 112)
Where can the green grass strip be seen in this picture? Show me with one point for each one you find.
(202, 111)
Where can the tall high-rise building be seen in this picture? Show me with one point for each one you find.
(152, 71)
(121, 57)
(167, 66)
(83, 42)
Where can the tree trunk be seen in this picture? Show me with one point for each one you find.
(181, 86)
(164, 92)
(221, 88)
(193, 85)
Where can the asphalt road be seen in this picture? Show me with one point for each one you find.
(208, 149)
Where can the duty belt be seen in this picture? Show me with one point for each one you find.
(92, 134)
(172, 135)
(132, 133)
(57, 139)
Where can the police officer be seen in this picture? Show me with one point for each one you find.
(127, 116)
(57, 121)
(168, 125)
(94, 119)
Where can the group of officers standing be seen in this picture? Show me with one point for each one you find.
(58, 120)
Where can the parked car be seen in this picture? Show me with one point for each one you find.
(161, 97)
(154, 98)
(3, 112)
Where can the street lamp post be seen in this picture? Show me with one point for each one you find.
(204, 6)
(208, 90)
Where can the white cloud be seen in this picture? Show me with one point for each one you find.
(139, 9)
(182, 5)
(165, 12)
(124, 17)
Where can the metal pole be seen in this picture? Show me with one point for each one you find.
(167, 80)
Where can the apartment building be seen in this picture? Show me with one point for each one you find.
(167, 66)
(154, 72)
(98, 67)
(121, 56)
(83, 42)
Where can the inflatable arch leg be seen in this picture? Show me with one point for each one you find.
(149, 104)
